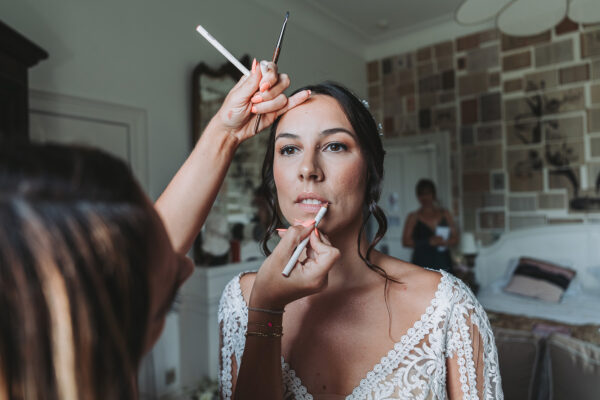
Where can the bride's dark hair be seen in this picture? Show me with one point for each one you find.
(372, 149)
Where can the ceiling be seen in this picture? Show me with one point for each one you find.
(357, 24)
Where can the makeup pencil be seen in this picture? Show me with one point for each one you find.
(200, 29)
(294, 259)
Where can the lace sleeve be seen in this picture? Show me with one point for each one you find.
(471, 353)
(233, 318)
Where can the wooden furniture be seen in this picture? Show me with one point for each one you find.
(17, 55)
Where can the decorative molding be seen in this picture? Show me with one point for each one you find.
(77, 108)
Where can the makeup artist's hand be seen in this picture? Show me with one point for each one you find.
(272, 290)
(259, 93)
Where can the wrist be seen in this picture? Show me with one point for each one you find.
(261, 302)
(220, 135)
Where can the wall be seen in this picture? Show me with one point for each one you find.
(141, 53)
(523, 116)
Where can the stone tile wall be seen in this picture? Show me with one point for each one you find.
(523, 115)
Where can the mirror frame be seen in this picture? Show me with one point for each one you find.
(226, 69)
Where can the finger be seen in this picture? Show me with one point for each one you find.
(269, 75)
(323, 258)
(281, 232)
(318, 245)
(270, 106)
(294, 101)
(324, 238)
(292, 238)
(310, 253)
(282, 84)
(247, 86)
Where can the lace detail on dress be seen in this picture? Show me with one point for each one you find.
(233, 320)
(415, 368)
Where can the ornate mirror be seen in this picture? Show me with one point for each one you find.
(232, 220)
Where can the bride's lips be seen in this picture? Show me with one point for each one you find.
(311, 208)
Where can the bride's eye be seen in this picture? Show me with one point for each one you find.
(336, 147)
(288, 150)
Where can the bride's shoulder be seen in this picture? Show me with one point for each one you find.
(246, 284)
(410, 275)
(422, 284)
(413, 285)
(240, 284)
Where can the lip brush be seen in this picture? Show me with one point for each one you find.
(275, 58)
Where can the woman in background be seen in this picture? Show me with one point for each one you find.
(424, 229)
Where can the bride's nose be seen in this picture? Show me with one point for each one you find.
(310, 168)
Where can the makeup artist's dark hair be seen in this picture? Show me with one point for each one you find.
(74, 253)
(369, 140)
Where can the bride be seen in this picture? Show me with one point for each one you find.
(349, 322)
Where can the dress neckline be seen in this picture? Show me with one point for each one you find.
(378, 371)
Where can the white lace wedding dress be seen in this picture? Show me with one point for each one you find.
(454, 325)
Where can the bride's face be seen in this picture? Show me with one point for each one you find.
(318, 160)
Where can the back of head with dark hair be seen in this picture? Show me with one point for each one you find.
(74, 299)
(372, 148)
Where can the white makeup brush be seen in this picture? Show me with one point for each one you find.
(290, 265)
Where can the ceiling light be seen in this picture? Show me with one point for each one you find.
(527, 17)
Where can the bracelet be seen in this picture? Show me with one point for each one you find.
(264, 310)
(267, 325)
(262, 334)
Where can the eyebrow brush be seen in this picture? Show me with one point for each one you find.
(275, 58)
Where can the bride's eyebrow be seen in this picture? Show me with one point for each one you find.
(329, 131)
(287, 135)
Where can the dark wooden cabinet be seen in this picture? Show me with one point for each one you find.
(17, 55)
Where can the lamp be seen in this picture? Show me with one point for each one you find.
(469, 250)
(527, 17)
(467, 244)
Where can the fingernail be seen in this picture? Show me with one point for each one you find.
(309, 93)
(254, 110)
(265, 86)
(281, 230)
(317, 233)
(254, 64)
(257, 98)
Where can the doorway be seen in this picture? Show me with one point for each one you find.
(406, 161)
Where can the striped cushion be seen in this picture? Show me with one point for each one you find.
(540, 279)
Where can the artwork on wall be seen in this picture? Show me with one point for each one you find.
(560, 143)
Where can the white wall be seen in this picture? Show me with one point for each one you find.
(141, 53)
